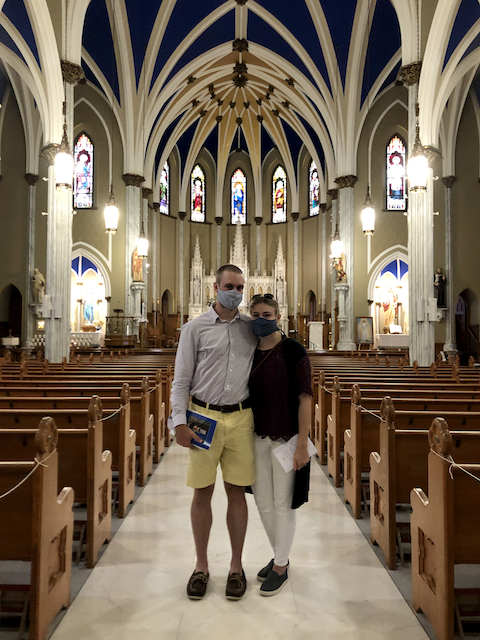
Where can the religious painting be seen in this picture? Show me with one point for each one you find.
(239, 197)
(164, 198)
(137, 266)
(365, 330)
(396, 195)
(83, 186)
(197, 195)
(279, 195)
(313, 190)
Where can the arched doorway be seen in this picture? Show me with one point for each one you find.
(388, 289)
(311, 306)
(168, 321)
(466, 334)
(10, 311)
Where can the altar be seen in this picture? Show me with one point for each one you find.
(391, 341)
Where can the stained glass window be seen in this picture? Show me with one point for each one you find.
(239, 197)
(83, 190)
(396, 154)
(164, 198)
(197, 194)
(313, 190)
(279, 195)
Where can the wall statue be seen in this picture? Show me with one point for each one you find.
(38, 282)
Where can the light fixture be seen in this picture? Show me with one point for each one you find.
(418, 163)
(64, 160)
(111, 214)
(142, 244)
(368, 215)
(337, 245)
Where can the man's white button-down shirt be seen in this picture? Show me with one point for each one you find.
(213, 362)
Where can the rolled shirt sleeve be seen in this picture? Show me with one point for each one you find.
(184, 370)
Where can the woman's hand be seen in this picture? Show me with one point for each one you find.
(301, 457)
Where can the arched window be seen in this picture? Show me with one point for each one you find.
(313, 190)
(164, 197)
(279, 195)
(395, 160)
(83, 188)
(197, 189)
(239, 197)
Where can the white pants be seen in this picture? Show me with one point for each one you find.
(273, 492)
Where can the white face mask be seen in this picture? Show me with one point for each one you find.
(229, 299)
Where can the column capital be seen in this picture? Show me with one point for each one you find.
(182, 215)
(333, 193)
(49, 152)
(295, 216)
(323, 207)
(133, 180)
(449, 180)
(346, 181)
(146, 192)
(410, 73)
(31, 178)
(156, 206)
(71, 72)
(219, 220)
(258, 220)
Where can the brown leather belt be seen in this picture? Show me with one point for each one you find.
(226, 408)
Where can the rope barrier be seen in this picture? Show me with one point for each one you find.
(111, 415)
(30, 473)
(455, 465)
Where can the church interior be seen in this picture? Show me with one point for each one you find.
(330, 150)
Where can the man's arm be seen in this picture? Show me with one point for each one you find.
(185, 362)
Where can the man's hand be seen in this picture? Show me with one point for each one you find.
(185, 435)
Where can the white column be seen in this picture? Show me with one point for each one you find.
(258, 245)
(420, 254)
(346, 228)
(219, 221)
(334, 194)
(154, 252)
(146, 193)
(182, 215)
(133, 203)
(295, 217)
(30, 308)
(324, 262)
(450, 346)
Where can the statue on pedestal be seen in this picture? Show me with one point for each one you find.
(38, 282)
(439, 283)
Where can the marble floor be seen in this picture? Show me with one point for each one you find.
(338, 588)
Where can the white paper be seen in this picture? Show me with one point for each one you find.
(286, 451)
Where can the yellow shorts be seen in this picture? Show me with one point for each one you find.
(232, 446)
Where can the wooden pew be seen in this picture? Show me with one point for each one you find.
(444, 526)
(83, 465)
(36, 526)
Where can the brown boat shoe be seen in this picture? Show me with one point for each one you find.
(236, 586)
(197, 585)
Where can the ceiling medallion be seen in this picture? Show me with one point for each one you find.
(211, 88)
(202, 113)
(232, 104)
(246, 105)
(267, 96)
(219, 102)
(191, 80)
(241, 2)
(240, 81)
(271, 88)
(219, 118)
(259, 101)
(239, 121)
(276, 112)
(195, 103)
(240, 67)
(290, 82)
(260, 119)
(240, 44)
(286, 104)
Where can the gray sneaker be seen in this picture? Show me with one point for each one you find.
(263, 573)
(273, 583)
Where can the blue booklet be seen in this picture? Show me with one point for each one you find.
(203, 426)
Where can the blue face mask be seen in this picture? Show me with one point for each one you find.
(262, 327)
(229, 299)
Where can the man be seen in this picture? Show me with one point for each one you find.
(212, 366)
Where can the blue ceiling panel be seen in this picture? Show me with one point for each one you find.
(18, 16)
(468, 13)
(98, 41)
(474, 45)
(383, 44)
(392, 268)
(10, 44)
(300, 24)
(403, 268)
(141, 18)
(315, 139)
(182, 21)
(211, 143)
(267, 143)
(221, 31)
(75, 264)
(262, 33)
(294, 142)
(239, 142)
(185, 142)
(340, 17)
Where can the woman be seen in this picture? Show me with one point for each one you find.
(281, 390)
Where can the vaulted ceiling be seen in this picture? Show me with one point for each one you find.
(185, 74)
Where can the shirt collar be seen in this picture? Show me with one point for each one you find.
(213, 315)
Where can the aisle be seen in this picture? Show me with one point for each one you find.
(337, 589)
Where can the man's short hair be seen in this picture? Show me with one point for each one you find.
(227, 267)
